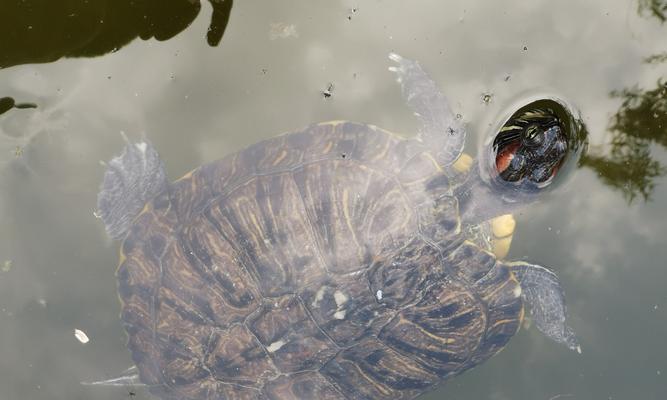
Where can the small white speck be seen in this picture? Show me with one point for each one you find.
(318, 297)
(340, 297)
(275, 346)
(81, 336)
(281, 30)
(517, 291)
(339, 314)
(141, 146)
(378, 294)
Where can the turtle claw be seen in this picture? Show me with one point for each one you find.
(395, 57)
(129, 377)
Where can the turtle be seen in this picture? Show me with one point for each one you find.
(338, 261)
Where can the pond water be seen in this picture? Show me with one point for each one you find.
(83, 72)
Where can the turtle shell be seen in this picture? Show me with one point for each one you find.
(323, 264)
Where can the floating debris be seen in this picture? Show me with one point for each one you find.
(18, 151)
(328, 92)
(6, 104)
(281, 30)
(275, 346)
(23, 106)
(7, 265)
(378, 295)
(487, 97)
(352, 12)
(81, 336)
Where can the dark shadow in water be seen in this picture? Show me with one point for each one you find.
(41, 31)
(640, 122)
(7, 103)
(656, 58)
(653, 8)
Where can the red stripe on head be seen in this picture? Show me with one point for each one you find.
(505, 156)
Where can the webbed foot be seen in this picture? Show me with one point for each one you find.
(441, 130)
(130, 180)
(541, 290)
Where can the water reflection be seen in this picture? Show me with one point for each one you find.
(7, 103)
(656, 58)
(654, 8)
(34, 31)
(639, 122)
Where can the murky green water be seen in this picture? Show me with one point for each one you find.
(605, 235)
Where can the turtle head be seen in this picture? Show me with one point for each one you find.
(531, 149)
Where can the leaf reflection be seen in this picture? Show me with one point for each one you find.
(39, 31)
(654, 8)
(640, 121)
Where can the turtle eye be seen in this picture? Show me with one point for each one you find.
(533, 136)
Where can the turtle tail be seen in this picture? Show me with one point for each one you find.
(131, 179)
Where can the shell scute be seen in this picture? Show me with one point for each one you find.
(306, 385)
(371, 370)
(401, 276)
(235, 356)
(345, 309)
(201, 269)
(441, 331)
(291, 337)
(267, 226)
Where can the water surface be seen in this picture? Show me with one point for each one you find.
(197, 101)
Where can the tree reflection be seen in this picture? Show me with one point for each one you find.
(39, 31)
(655, 8)
(656, 58)
(640, 121)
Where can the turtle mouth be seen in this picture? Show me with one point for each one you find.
(531, 146)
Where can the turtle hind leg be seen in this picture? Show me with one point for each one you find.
(440, 130)
(541, 290)
(131, 179)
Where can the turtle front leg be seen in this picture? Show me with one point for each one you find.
(131, 179)
(441, 131)
(541, 290)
